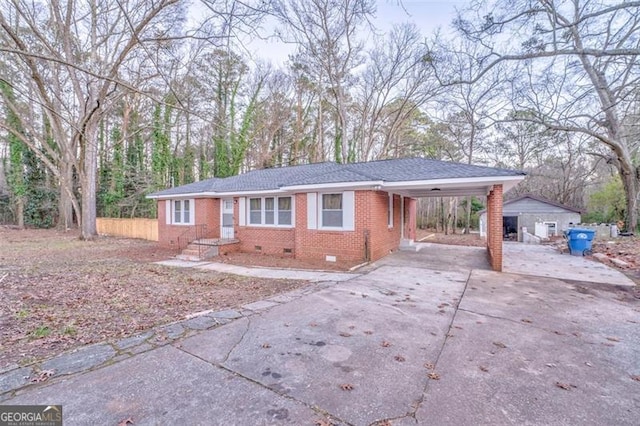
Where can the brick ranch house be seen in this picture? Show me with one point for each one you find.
(329, 211)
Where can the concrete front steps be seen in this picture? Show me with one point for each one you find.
(204, 249)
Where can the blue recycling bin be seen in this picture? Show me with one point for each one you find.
(579, 240)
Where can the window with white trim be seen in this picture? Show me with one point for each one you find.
(181, 214)
(331, 211)
(270, 211)
(390, 212)
(255, 211)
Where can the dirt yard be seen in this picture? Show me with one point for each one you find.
(59, 293)
(626, 249)
(458, 239)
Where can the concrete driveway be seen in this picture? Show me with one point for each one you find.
(432, 337)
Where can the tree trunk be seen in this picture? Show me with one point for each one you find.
(65, 202)
(467, 228)
(631, 186)
(20, 212)
(88, 182)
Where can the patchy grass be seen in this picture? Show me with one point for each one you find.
(60, 293)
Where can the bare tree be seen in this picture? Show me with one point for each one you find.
(76, 57)
(582, 58)
(326, 33)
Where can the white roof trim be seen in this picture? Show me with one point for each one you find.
(452, 182)
(509, 182)
(329, 186)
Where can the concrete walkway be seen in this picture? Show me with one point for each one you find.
(404, 343)
(281, 274)
(547, 261)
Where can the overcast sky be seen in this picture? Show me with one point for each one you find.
(428, 15)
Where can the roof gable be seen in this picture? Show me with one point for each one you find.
(539, 201)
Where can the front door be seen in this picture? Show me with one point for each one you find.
(226, 221)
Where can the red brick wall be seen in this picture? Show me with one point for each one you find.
(494, 227)
(370, 219)
(383, 238)
(410, 218)
(270, 240)
(317, 244)
(207, 212)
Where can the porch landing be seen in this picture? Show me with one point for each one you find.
(204, 248)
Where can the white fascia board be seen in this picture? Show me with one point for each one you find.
(274, 192)
(182, 196)
(323, 187)
(451, 182)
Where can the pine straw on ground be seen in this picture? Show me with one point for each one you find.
(60, 293)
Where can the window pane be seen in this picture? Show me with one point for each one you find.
(177, 212)
(187, 209)
(284, 203)
(255, 204)
(284, 211)
(332, 201)
(255, 218)
(268, 217)
(268, 204)
(284, 217)
(332, 218)
(255, 211)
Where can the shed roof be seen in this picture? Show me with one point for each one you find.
(539, 199)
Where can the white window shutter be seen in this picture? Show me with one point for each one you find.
(348, 210)
(242, 210)
(192, 211)
(167, 212)
(312, 210)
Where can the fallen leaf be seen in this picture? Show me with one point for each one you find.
(528, 321)
(313, 324)
(323, 422)
(382, 423)
(125, 422)
(368, 332)
(345, 334)
(385, 344)
(43, 376)
(399, 358)
(266, 346)
(346, 387)
(351, 327)
(429, 366)
(613, 339)
(500, 345)
(483, 368)
(565, 386)
(636, 378)
(433, 376)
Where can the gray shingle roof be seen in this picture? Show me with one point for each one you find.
(393, 170)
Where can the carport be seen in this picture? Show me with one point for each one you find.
(492, 187)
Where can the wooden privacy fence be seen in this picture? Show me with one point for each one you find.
(146, 229)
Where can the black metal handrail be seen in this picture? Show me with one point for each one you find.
(193, 233)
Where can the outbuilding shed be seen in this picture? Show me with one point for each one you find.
(535, 215)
